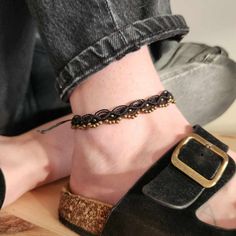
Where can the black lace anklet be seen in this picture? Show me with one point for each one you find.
(114, 116)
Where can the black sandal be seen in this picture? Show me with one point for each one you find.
(164, 200)
(2, 188)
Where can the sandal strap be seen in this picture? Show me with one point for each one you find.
(88, 214)
(164, 200)
(199, 164)
(2, 188)
(166, 195)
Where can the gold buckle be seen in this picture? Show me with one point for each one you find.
(206, 183)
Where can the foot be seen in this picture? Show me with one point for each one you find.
(105, 170)
(108, 160)
(220, 210)
(33, 159)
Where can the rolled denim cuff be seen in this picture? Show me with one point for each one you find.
(115, 46)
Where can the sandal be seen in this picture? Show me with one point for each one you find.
(164, 200)
(2, 188)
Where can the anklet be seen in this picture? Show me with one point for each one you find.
(114, 116)
(122, 112)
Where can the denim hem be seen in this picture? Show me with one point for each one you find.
(117, 45)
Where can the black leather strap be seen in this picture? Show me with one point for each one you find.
(2, 188)
(202, 132)
(172, 187)
(164, 200)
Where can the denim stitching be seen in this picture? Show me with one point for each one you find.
(168, 77)
(68, 89)
(141, 38)
(69, 84)
(114, 21)
(78, 80)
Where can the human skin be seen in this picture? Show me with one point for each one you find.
(34, 159)
(109, 159)
(105, 162)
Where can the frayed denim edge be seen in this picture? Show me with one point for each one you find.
(112, 47)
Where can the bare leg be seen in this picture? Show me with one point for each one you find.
(109, 159)
(33, 159)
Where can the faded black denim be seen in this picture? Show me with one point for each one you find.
(27, 82)
(27, 94)
(83, 36)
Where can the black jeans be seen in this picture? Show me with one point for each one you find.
(81, 37)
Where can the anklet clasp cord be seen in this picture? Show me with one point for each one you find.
(114, 116)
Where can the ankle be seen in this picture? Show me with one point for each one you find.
(134, 77)
(108, 160)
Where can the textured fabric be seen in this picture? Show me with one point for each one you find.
(197, 74)
(41, 102)
(27, 99)
(82, 37)
(27, 93)
(16, 50)
(88, 214)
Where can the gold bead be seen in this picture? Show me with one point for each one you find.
(100, 122)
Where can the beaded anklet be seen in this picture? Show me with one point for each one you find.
(114, 116)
